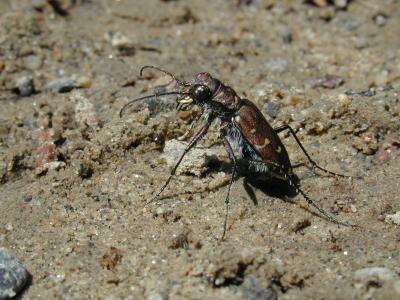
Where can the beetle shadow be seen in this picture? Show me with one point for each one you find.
(272, 187)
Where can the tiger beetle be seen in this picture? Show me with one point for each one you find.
(244, 131)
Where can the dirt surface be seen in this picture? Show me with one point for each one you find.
(75, 177)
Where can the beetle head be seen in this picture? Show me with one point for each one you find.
(200, 91)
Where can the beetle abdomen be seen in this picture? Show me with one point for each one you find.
(260, 135)
(239, 144)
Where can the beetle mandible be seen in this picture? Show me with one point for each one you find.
(244, 131)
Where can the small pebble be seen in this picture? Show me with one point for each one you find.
(159, 211)
(327, 81)
(24, 86)
(380, 20)
(13, 275)
(344, 100)
(84, 82)
(61, 85)
(85, 113)
(45, 154)
(393, 219)
(360, 42)
(341, 3)
(382, 156)
(287, 36)
(119, 41)
(9, 227)
(55, 165)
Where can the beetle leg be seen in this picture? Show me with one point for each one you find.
(268, 168)
(182, 137)
(232, 156)
(197, 137)
(314, 165)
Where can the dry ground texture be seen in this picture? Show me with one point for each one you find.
(75, 177)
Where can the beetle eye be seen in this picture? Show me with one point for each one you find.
(200, 93)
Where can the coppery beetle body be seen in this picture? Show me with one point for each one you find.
(245, 132)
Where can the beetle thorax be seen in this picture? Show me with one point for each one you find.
(221, 94)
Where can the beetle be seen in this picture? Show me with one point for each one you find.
(244, 131)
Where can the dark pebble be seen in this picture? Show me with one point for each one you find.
(27, 198)
(245, 2)
(13, 275)
(368, 93)
(365, 93)
(84, 169)
(287, 36)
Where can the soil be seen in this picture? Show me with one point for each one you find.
(75, 176)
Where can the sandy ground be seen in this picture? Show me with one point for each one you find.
(75, 177)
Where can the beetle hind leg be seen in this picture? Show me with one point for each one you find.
(275, 170)
(314, 165)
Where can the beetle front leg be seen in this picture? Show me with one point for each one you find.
(182, 137)
(312, 162)
(232, 156)
(197, 137)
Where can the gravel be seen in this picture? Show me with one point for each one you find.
(13, 275)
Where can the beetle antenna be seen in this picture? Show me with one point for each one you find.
(146, 97)
(163, 71)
